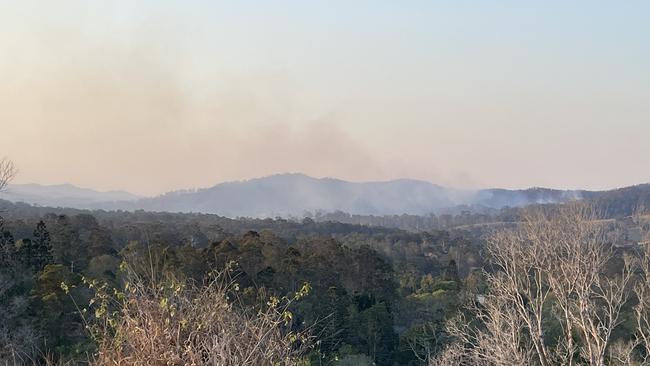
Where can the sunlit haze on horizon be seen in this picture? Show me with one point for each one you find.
(153, 96)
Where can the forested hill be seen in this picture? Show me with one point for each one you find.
(297, 194)
(614, 204)
(373, 289)
(376, 291)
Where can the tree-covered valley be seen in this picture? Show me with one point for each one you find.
(376, 295)
(324, 183)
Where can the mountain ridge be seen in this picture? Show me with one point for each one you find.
(297, 194)
(64, 195)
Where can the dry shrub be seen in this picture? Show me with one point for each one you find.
(17, 358)
(551, 269)
(173, 322)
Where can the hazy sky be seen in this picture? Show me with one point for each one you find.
(151, 96)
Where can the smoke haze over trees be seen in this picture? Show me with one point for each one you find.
(297, 195)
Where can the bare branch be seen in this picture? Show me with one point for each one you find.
(7, 173)
(551, 269)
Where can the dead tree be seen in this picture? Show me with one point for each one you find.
(7, 173)
(550, 269)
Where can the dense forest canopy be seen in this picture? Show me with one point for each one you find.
(372, 289)
(377, 294)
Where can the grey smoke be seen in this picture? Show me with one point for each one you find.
(294, 195)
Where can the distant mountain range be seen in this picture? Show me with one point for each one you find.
(294, 195)
(63, 195)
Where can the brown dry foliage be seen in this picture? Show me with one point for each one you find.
(173, 322)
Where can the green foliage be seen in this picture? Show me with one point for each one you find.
(354, 360)
(360, 290)
(56, 308)
(419, 343)
(67, 247)
(375, 331)
(104, 267)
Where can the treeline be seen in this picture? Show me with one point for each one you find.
(613, 204)
(425, 251)
(463, 216)
(378, 295)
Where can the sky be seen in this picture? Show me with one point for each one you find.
(153, 96)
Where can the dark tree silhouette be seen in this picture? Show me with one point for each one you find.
(41, 248)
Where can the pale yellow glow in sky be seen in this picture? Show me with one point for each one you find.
(155, 97)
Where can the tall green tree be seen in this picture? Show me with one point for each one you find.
(42, 246)
(66, 246)
(6, 244)
(55, 307)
